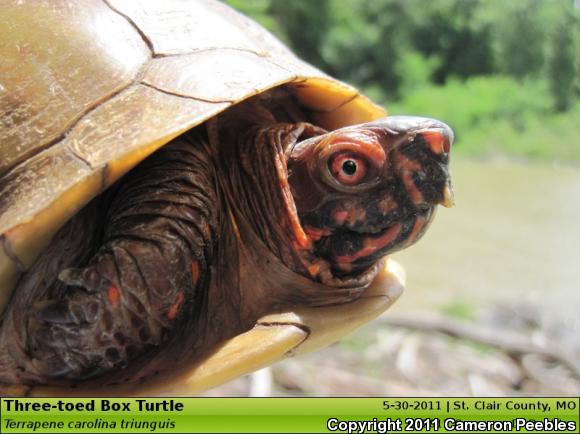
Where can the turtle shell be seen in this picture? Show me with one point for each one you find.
(90, 88)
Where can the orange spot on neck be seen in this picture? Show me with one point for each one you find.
(314, 269)
(114, 296)
(195, 272)
(174, 308)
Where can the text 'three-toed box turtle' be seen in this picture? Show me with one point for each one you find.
(183, 201)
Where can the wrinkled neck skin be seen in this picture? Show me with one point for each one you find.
(263, 251)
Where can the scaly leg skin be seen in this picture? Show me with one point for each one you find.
(145, 278)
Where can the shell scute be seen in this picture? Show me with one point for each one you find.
(53, 72)
(88, 89)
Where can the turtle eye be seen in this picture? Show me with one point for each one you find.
(348, 169)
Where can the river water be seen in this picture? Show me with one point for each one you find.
(514, 234)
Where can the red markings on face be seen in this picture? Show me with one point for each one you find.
(412, 189)
(339, 215)
(348, 169)
(407, 168)
(174, 308)
(387, 205)
(314, 269)
(114, 296)
(404, 163)
(437, 141)
(316, 234)
(195, 272)
(354, 213)
(372, 245)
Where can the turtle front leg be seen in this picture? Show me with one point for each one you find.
(148, 277)
(122, 305)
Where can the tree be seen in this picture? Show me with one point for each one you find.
(522, 39)
(305, 24)
(562, 67)
(449, 30)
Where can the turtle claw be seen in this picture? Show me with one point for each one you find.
(54, 335)
(77, 309)
(49, 335)
(64, 365)
(52, 366)
(78, 277)
(58, 327)
(57, 313)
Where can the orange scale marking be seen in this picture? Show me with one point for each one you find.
(194, 272)
(114, 296)
(412, 189)
(372, 245)
(437, 142)
(174, 308)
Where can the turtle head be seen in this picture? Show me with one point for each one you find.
(368, 190)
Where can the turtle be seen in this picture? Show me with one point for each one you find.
(183, 200)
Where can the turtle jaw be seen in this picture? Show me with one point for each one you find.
(352, 252)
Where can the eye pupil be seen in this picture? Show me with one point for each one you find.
(349, 167)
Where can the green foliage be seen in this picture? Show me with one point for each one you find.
(259, 11)
(305, 24)
(475, 100)
(368, 42)
(449, 29)
(459, 310)
(501, 72)
(416, 70)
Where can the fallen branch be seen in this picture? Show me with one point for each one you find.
(511, 342)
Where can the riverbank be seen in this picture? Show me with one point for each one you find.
(513, 234)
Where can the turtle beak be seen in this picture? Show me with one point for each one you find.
(439, 142)
(448, 200)
(438, 138)
(421, 146)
